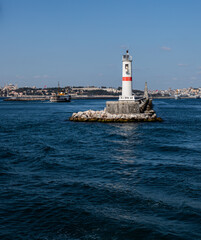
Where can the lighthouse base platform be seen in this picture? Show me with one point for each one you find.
(122, 107)
(119, 113)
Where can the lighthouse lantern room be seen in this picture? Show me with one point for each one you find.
(127, 78)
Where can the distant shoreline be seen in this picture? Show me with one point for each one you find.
(79, 97)
(174, 98)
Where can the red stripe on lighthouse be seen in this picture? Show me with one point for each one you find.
(126, 78)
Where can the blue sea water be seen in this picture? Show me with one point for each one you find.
(70, 180)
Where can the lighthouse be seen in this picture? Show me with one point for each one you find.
(127, 103)
(127, 78)
(127, 109)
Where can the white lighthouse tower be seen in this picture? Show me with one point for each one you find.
(127, 78)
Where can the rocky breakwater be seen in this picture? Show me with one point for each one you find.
(146, 114)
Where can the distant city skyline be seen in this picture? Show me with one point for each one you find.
(80, 43)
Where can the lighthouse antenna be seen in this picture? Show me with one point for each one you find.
(58, 87)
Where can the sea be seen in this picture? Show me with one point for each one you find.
(77, 180)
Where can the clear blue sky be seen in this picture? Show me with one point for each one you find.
(80, 42)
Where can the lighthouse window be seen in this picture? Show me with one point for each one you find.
(126, 66)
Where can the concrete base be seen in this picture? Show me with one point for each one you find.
(102, 116)
(119, 112)
(122, 107)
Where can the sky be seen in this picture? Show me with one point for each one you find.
(81, 42)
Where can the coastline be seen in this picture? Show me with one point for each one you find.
(80, 97)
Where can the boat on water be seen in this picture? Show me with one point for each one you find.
(27, 98)
(195, 96)
(60, 97)
(176, 96)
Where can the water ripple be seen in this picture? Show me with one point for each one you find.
(66, 180)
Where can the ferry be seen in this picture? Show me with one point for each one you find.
(61, 97)
(176, 96)
(196, 96)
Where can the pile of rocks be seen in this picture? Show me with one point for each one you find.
(103, 116)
